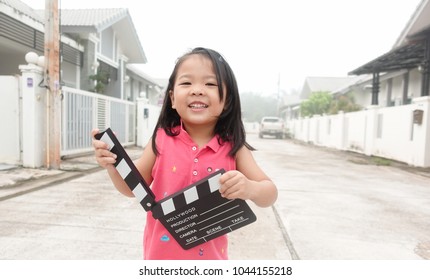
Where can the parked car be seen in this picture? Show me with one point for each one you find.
(273, 126)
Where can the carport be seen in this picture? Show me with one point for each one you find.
(414, 54)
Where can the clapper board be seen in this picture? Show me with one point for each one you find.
(196, 214)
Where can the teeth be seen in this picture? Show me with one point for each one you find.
(198, 106)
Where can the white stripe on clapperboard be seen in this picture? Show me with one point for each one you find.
(123, 170)
(105, 138)
(190, 195)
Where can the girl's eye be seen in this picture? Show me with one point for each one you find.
(185, 83)
(211, 84)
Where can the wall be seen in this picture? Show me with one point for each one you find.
(388, 132)
(146, 119)
(10, 116)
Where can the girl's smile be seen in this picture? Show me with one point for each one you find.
(198, 105)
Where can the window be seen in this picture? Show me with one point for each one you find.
(108, 44)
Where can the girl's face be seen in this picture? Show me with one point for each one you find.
(195, 94)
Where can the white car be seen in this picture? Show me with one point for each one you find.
(273, 126)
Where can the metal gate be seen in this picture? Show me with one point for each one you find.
(82, 111)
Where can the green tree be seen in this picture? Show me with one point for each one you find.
(344, 103)
(101, 79)
(317, 104)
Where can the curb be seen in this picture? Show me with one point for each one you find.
(31, 185)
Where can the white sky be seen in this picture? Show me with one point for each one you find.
(264, 39)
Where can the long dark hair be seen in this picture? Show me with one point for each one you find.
(229, 126)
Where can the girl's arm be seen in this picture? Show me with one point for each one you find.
(248, 181)
(106, 159)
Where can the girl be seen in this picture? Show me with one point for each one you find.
(199, 131)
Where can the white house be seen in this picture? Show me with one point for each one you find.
(93, 42)
(394, 91)
(403, 73)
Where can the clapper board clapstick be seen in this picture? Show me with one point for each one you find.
(196, 214)
(128, 170)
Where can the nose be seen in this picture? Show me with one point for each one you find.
(197, 90)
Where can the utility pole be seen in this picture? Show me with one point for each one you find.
(52, 82)
(278, 95)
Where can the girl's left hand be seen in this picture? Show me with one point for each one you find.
(235, 185)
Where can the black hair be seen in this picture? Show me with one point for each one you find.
(229, 126)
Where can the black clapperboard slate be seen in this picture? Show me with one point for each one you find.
(196, 214)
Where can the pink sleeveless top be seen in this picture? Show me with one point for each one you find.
(180, 163)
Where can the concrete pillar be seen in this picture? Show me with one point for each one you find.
(33, 116)
(142, 122)
(146, 120)
(371, 127)
(340, 131)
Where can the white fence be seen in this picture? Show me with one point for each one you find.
(389, 132)
(82, 111)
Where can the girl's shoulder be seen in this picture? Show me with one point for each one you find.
(160, 137)
(162, 133)
(163, 138)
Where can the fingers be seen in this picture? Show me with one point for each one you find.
(94, 132)
(104, 157)
(233, 185)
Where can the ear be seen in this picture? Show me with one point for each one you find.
(172, 99)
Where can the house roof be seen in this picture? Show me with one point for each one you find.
(329, 84)
(406, 57)
(24, 9)
(418, 21)
(135, 69)
(96, 20)
(326, 83)
(291, 99)
(408, 51)
(92, 21)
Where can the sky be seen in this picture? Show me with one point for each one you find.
(271, 45)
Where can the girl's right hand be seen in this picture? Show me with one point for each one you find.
(104, 157)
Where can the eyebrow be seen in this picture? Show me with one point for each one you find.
(205, 77)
